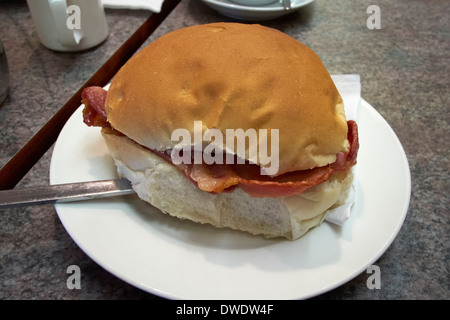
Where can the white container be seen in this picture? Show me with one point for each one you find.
(76, 26)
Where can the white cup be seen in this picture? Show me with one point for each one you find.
(69, 25)
(254, 2)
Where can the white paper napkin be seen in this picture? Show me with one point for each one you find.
(152, 5)
(349, 86)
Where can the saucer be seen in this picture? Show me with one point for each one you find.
(254, 13)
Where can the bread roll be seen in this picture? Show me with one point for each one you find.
(230, 76)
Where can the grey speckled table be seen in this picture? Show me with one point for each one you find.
(404, 68)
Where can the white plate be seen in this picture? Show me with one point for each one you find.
(253, 13)
(184, 260)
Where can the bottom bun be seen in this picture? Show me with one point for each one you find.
(165, 187)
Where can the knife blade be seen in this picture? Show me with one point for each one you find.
(69, 192)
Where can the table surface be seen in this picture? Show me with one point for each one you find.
(404, 68)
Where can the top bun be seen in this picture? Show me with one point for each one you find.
(230, 76)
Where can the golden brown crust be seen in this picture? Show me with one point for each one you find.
(230, 76)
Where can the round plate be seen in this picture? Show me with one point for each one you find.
(253, 13)
(180, 259)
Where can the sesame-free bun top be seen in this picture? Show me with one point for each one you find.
(230, 76)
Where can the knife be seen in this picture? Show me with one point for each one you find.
(64, 193)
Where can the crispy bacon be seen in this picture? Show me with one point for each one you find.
(285, 185)
(94, 114)
(298, 181)
(217, 178)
